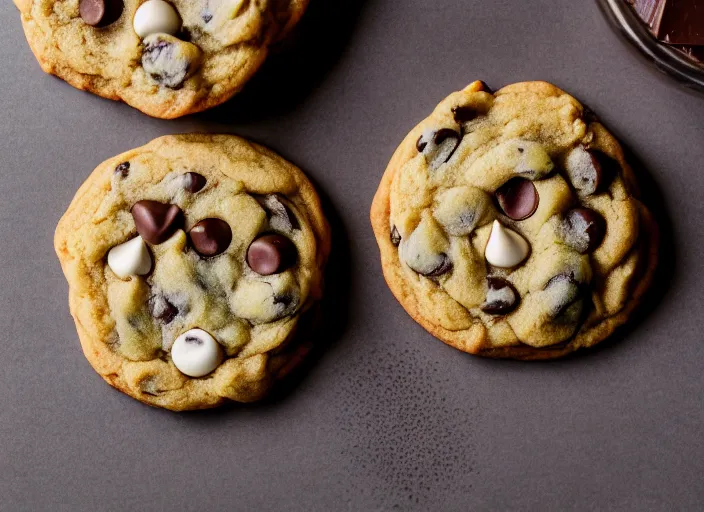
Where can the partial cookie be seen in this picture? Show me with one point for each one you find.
(509, 224)
(190, 263)
(167, 59)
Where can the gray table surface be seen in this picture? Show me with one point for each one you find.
(387, 417)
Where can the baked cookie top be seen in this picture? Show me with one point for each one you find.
(509, 224)
(190, 262)
(166, 59)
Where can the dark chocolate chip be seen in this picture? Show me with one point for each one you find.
(464, 114)
(123, 170)
(211, 237)
(583, 229)
(444, 134)
(206, 15)
(161, 309)
(193, 182)
(501, 298)
(518, 198)
(439, 146)
(443, 267)
(395, 236)
(271, 254)
(280, 216)
(100, 13)
(156, 221)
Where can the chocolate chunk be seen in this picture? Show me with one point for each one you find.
(161, 309)
(193, 182)
(100, 13)
(281, 218)
(464, 114)
(271, 254)
(583, 229)
(395, 236)
(673, 22)
(156, 221)
(438, 146)
(211, 237)
(518, 198)
(501, 298)
(123, 170)
(443, 267)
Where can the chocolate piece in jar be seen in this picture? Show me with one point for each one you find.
(677, 23)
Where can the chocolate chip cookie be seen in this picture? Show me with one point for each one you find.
(165, 58)
(193, 264)
(509, 224)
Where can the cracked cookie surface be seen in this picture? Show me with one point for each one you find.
(191, 262)
(167, 59)
(509, 224)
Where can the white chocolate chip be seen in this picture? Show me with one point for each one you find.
(130, 259)
(196, 353)
(156, 16)
(505, 248)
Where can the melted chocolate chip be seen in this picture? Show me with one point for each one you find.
(518, 198)
(439, 146)
(271, 254)
(193, 182)
(464, 114)
(286, 300)
(161, 309)
(583, 229)
(280, 216)
(211, 237)
(395, 236)
(501, 298)
(565, 291)
(589, 170)
(156, 221)
(443, 267)
(123, 170)
(169, 60)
